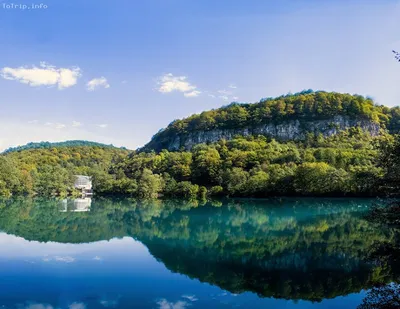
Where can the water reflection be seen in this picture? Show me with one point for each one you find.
(76, 205)
(311, 249)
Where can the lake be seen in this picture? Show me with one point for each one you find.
(104, 253)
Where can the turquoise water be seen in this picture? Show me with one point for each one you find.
(287, 253)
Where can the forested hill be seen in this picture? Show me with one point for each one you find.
(47, 145)
(48, 171)
(289, 117)
(347, 151)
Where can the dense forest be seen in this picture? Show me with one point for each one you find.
(350, 163)
(49, 171)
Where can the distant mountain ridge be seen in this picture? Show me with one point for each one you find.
(46, 145)
(288, 117)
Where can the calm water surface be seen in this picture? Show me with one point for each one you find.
(306, 253)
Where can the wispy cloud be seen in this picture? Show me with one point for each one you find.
(44, 75)
(224, 92)
(33, 305)
(77, 306)
(164, 304)
(191, 94)
(95, 83)
(37, 306)
(190, 297)
(76, 124)
(62, 259)
(56, 125)
(109, 303)
(170, 83)
(103, 125)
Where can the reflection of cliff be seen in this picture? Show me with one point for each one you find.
(291, 257)
(311, 249)
(304, 282)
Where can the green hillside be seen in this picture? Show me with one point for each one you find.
(47, 169)
(305, 107)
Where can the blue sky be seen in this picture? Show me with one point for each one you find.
(118, 71)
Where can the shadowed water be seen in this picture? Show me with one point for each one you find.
(286, 253)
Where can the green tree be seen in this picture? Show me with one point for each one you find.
(318, 178)
(149, 184)
(206, 164)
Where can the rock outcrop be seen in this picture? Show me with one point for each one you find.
(287, 130)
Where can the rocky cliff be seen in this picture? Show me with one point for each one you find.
(287, 130)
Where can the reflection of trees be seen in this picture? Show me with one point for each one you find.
(385, 214)
(385, 255)
(311, 249)
(386, 297)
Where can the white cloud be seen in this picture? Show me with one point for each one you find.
(169, 83)
(103, 125)
(164, 304)
(44, 75)
(192, 94)
(190, 297)
(224, 97)
(33, 121)
(97, 258)
(76, 124)
(95, 83)
(77, 306)
(232, 86)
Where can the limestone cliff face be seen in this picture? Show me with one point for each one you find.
(289, 130)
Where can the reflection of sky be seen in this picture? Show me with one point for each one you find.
(119, 273)
(21, 249)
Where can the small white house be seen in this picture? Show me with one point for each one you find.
(84, 184)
